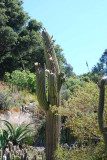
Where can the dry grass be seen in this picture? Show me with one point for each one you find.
(16, 118)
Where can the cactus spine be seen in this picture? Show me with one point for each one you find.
(55, 80)
(101, 109)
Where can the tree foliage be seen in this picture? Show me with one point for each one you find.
(20, 40)
(20, 43)
(101, 67)
(12, 19)
(21, 79)
(99, 70)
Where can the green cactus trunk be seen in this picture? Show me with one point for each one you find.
(52, 134)
(55, 79)
(101, 109)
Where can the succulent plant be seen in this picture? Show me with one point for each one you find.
(102, 128)
(55, 80)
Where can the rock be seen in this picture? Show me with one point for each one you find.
(40, 149)
(8, 114)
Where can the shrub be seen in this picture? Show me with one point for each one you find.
(9, 99)
(65, 93)
(90, 152)
(81, 112)
(29, 140)
(73, 83)
(82, 119)
(3, 99)
(23, 79)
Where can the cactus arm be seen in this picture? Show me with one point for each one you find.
(101, 103)
(101, 109)
(101, 106)
(52, 89)
(41, 89)
(61, 80)
(50, 55)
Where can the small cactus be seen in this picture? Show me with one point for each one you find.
(13, 153)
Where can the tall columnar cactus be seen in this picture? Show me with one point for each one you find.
(101, 109)
(55, 80)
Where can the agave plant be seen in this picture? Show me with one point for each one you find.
(3, 139)
(17, 135)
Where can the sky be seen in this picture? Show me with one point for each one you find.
(78, 26)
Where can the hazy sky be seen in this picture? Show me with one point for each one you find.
(79, 27)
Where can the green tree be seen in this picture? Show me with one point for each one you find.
(98, 70)
(101, 66)
(20, 40)
(73, 83)
(12, 19)
(29, 47)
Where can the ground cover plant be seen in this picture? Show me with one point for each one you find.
(11, 97)
(91, 152)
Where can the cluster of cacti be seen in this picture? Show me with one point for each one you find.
(102, 128)
(12, 152)
(55, 80)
